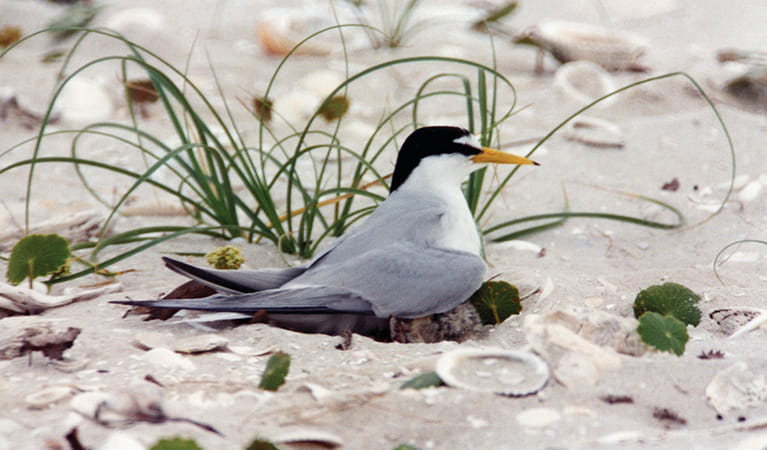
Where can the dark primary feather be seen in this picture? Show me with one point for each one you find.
(235, 281)
(284, 301)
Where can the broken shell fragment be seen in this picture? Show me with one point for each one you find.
(738, 388)
(200, 344)
(506, 372)
(594, 132)
(584, 82)
(48, 397)
(570, 41)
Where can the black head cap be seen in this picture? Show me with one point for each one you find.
(425, 142)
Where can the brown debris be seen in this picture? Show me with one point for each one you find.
(712, 354)
(43, 338)
(668, 416)
(615, 399)
(672, 185)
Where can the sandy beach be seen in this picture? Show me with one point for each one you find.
(583, 274)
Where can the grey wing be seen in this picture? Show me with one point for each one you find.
(403, 280)
(235, 281)
(306, 300)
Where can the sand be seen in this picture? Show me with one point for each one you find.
(588, 266)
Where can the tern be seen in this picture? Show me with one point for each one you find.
(418, 254)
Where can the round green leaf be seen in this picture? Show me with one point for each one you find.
(36, 255)
(496, 301)
(665, 333)
(669, 299)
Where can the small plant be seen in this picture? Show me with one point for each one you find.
(275, 372)
(231, 187)
(495, 301)
(669, 299)
(261, 444)
(175, 443)
(664, 311)
(37, 255)
(227, 257)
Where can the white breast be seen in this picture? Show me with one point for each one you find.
(439, 178)
(459, 231)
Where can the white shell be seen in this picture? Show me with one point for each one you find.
(47, 397)
(584, 82)
(507, 372)
(167, 359)
(301, 434)
(611, 49)
(201, 343)
(594, 132)
(84, 100)
(738, 388)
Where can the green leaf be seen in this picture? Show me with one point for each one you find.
(496, 301)
(665, 333)
(175, 444)
(261, 444)
(36, 255)
(334, 108)
(405, 447)
(669, 299)
(276, 369)
(425, 380)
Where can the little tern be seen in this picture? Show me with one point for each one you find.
(418, 254)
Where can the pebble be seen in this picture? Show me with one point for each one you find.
(538, 417)
(84, 100)
(167, 359)
(48, 397)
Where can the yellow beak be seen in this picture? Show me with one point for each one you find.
(490, 155)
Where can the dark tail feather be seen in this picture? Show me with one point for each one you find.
(235, 281)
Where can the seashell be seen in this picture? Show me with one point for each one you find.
(570, 41)
(69, 365)
(506, 372)
(584, 82)
(84, 100)
(201, 343)
(594, 132)
(299, 435)
(78, 226)
(738, 387)
(282, 30)
(133, 19)
(148, 340)
(751, 191)
(736, 321)
(522, 246)
(580, 346)
(48, 397)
